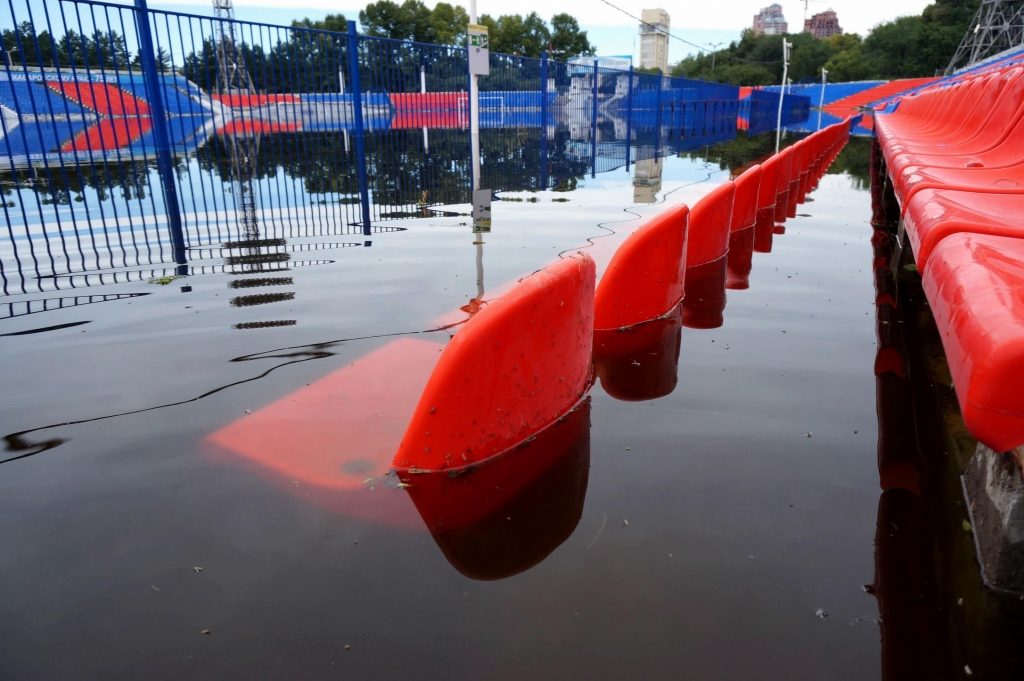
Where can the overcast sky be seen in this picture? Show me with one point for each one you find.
(612, 31)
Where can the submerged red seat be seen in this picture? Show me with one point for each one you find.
(741, 237)
(744, 209)
(765, 219)
(975, 284)
(782, 188)
(710, 221)
(799, 151)
(645, 276)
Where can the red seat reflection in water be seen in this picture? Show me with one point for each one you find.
(502, 516)
(740, 259)
(704, 302)
(639, 362)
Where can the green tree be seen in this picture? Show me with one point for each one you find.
(907, 47)
(448, 24)
(163, 60)
(517, 35)
(443, 25)
(331, 22)
(567, 40)
(847, 62)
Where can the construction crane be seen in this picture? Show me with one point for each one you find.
(233, 79)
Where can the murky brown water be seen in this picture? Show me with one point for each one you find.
(726, 530)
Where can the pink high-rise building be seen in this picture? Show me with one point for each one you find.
(769, 21)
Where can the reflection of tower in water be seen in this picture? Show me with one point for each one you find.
(254, 255)
(647, 180)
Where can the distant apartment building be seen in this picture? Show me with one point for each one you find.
(823, 25)
(769, 21)
(654, 39)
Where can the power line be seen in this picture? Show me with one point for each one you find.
(687, 42)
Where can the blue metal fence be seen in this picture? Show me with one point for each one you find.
(132, 137)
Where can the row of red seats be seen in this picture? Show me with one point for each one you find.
(495, 386)
(955, 155)
(467, 426)
(685, 250)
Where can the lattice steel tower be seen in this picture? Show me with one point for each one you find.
(997, 26)
(232, 76)
(233, 79)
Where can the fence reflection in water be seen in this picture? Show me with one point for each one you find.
(261, 128)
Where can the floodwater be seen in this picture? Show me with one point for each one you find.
(725, 530)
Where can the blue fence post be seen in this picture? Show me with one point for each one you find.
(164, 165)
(544, 120)
(629, 119)
(593, 146)
(682, 104)
(357, 116)
(657, 118)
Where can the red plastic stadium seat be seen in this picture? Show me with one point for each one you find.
(766, 205)
(644, 279)
(710, 220)
(997, 144)
(515, 368)
(934, 214)
(992, 181)
(782, 188)
(975, 284)
(744, 210)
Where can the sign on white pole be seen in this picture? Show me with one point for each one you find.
(479, 50)
(481, 210)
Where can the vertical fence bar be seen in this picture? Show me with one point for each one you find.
(163, 147)
(544, 120)
(629, 119)
(657, 117)
(593, 145)
(357, 118)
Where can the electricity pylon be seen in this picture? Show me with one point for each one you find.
(997, 26)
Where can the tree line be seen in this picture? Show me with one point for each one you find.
(907, 47)
(446, 24)
(99, 50)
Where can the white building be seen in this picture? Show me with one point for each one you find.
(654, 39)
